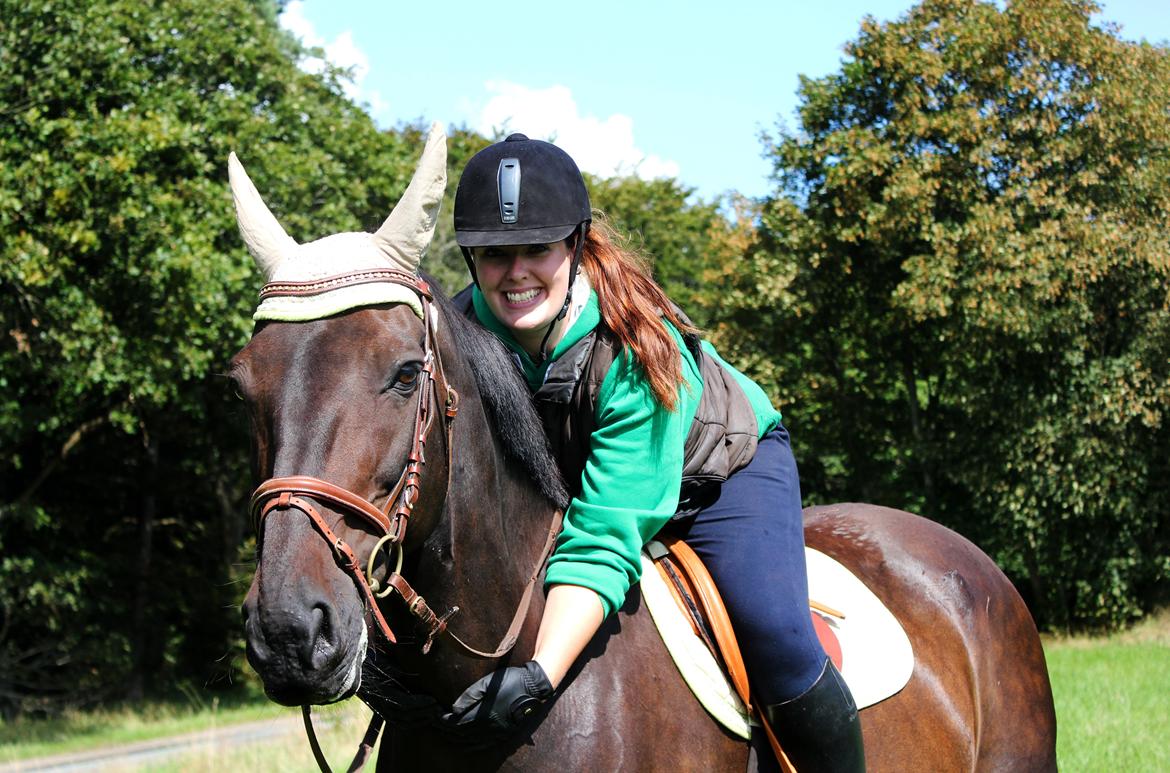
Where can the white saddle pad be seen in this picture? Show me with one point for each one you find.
(876, 656)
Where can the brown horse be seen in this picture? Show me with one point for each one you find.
(342, 399)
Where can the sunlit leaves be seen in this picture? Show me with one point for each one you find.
(126, 289)
(967, 259)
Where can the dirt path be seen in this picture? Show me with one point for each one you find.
(133, 756)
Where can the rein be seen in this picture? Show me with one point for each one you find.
(305, 493)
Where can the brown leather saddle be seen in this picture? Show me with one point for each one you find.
(696, 595)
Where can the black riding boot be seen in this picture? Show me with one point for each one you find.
(820, 730)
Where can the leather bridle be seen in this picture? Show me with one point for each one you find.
(304, 493)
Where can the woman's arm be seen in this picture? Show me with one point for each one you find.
(572, 615)
(498, 703)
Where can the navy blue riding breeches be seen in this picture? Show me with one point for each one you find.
(752, 540)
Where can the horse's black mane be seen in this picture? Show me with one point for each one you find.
(507, 399)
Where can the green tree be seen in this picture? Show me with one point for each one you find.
(963, 276)
(684, 237)
(125, 291)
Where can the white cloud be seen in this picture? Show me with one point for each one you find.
(600, 146)
(342, 51)
(293, 19)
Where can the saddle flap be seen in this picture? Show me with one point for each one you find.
(864, 639)
(696, 594)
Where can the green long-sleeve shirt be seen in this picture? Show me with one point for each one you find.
(633, 473)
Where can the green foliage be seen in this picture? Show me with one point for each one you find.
(963, 278)
(679, 233)
(125, 290)
(958, 292)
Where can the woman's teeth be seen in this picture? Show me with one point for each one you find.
(527, 295)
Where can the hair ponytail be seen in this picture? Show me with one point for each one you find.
(633, 306)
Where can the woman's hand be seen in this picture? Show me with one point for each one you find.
(497, 704)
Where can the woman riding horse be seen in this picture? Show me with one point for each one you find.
(355, 366)
(652, 430)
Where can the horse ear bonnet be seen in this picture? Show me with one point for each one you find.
(398, 244)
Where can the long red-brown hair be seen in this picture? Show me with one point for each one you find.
(633, 306)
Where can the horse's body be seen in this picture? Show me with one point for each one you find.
(979, 697)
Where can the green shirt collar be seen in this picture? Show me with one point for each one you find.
(590, 316)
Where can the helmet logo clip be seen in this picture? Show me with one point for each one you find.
(508, 185)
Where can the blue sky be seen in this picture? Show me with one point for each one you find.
(680, 88)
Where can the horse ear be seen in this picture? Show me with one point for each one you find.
(266, 240)
(408, 230)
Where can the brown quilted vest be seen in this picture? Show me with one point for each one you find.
(722, 437)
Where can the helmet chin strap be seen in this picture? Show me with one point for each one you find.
(578, 248)
(470, 263)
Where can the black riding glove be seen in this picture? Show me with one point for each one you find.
(498, 704)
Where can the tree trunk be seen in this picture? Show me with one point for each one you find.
(922, 458)
(139, 632)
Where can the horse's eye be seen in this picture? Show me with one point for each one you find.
(407, 377)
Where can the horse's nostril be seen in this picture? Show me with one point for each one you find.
(320, 644)
(258, 652)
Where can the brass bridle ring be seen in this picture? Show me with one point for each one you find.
(371, 580)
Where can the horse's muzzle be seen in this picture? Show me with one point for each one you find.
(306, 652)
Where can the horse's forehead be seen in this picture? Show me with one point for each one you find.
(358, 339)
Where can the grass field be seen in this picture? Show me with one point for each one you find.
(79, 731)
(1113, 699)
(1112, 702)
(339, 728)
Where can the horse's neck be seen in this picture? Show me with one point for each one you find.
(491, 501)
(494, 526)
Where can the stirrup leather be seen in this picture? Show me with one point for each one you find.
(697, 596)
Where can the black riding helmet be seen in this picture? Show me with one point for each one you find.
(522, 191)
(519, 191)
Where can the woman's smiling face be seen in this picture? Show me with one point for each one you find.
(524, 286)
